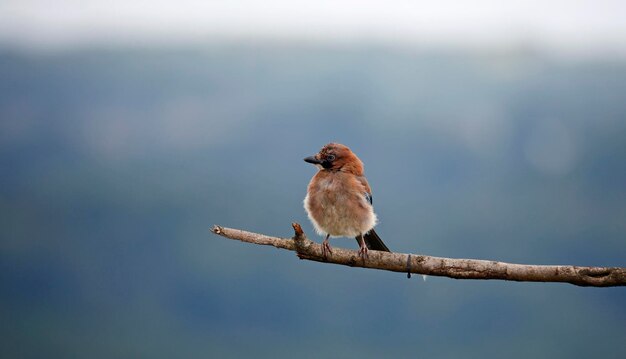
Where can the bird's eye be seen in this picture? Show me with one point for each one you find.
(330, 157)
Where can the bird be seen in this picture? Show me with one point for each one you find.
(339, 200)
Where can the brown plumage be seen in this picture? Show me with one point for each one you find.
(339, 199)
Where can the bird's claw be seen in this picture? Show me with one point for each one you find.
(363, 252)
(326, 249)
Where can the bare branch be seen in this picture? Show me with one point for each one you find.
(435, 266)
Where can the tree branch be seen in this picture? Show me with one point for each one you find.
(435, 266)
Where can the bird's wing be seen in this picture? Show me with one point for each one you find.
(366, 188)
(371, 238)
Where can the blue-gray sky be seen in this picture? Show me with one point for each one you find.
(583, 27)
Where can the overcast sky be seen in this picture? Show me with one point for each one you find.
(584, 26)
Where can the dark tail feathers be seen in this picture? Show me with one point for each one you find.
(373, 241)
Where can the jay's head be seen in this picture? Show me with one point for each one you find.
(337, 157)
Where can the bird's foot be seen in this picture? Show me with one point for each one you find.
(363, 252)
(326, 248)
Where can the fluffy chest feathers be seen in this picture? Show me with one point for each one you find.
(337, 204)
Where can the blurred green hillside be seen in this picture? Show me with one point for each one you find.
(116, 162)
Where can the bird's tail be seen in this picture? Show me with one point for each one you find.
(373, 241)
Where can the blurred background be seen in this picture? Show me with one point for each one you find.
(492, 130)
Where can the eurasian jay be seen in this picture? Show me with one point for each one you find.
(339, 199)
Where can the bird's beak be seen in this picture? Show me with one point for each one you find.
(313, 160)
